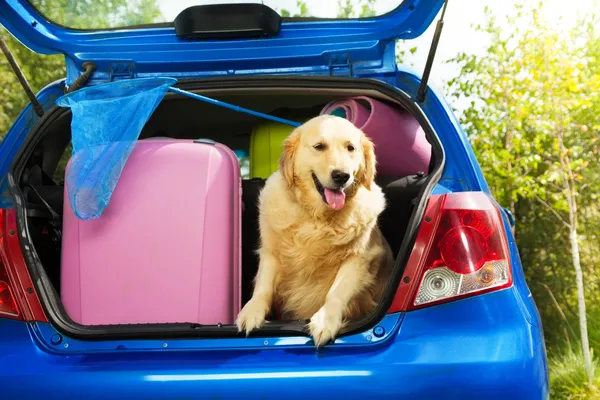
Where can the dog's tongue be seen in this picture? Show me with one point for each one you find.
(335, 198)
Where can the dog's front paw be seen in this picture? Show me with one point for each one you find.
(324, 326)
(252, 315)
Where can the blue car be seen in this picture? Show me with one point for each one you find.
(457, 320)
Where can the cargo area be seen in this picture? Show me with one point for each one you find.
(38, 184)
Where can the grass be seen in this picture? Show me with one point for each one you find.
(568, 380)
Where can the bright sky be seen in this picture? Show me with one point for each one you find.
(458, 36)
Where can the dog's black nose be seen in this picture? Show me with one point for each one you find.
(339, 177)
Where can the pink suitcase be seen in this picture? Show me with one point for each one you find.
(167, 247)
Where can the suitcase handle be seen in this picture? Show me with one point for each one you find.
(205, 141)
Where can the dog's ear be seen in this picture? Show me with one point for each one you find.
(368, 173)
(286, 161)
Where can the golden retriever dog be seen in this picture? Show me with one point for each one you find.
(322, 256)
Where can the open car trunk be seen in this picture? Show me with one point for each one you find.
(37, 184)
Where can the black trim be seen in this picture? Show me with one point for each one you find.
(50, 299)
(227, 21)
(88, 69)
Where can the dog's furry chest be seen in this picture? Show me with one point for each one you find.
(310, 258)
(322, 243)
(304, 280)
(311, 244)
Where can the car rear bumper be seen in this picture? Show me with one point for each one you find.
(483, 347)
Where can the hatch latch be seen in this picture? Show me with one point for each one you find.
(340, 65)
(122, 70)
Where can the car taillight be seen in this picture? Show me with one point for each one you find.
(8, 305)
(460, 251)
(8, 302)
(18, 299)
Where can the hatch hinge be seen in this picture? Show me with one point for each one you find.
(340, 65)
(434, 44)
(121, 71)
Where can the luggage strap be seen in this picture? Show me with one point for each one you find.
(55, 220)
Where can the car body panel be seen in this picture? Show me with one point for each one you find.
(310, 46)
(498, 352)
(488, 345)
(54, 342)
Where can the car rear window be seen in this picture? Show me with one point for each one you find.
(110, 14)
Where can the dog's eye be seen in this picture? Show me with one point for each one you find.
(350, 148)
(319, 146)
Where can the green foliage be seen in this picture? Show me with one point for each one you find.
(302, 11)
(533, 102)
(532, 84)
(351, 9)
(346, 9)
(98, 13)
(356, 8)
(42, 69)
(568, 379)
(594, 324)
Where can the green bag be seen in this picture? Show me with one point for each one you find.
(266, 145)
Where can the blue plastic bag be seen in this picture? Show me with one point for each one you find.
(107, 122)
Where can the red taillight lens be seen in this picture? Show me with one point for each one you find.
(460, 251)
(8, 301)
(8, 306)
(18, 300)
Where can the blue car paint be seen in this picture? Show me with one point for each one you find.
(54, 342)
(489, 344)
(301, 47)
(476, 347)
(485, 346)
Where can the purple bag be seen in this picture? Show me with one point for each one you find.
(400, 144)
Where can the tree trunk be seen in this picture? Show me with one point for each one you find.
(585, 343)
(571, 192)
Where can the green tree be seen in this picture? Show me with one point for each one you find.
(351, 9)
(533, 123)
(356, 8)
(366, 9)
(43, 69)
(302, 11)
(346, 9)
